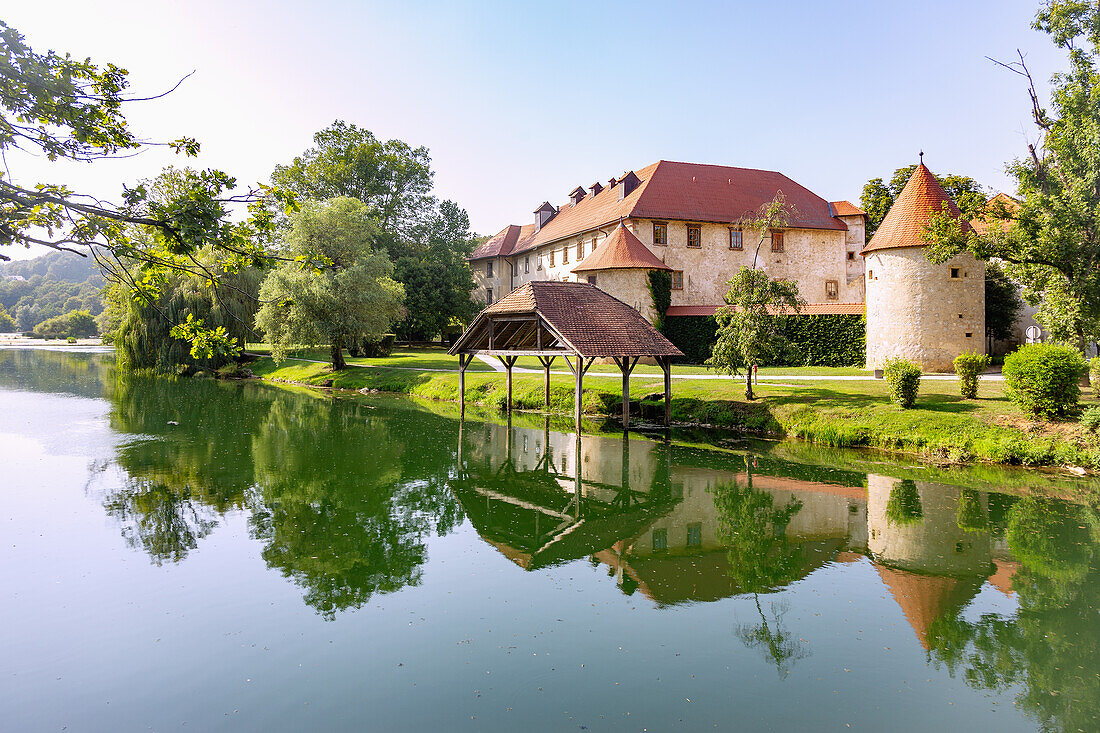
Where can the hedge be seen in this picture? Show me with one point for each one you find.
(834, 340)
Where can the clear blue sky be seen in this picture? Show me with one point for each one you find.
(520, 102)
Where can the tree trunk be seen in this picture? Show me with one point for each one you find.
(338, 362)
(748, 384)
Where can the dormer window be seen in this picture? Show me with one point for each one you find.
(576, 195)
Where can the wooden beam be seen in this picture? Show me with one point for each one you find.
(519, 352)
(463, 362)
(666, 367)
(578, 389)
(546, 361)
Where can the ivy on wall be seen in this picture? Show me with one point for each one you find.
(820, 340)
(660, 289)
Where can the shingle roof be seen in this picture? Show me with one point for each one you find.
(808, 309)
(847, 208)
(679, 191)
(588, 319)
(622, 250)
(904, 224)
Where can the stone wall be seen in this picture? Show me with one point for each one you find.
(917, 311)
(629, 286)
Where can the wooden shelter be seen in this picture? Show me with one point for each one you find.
(576, 321)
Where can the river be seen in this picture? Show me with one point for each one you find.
(201, 555)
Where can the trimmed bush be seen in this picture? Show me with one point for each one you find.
(818, 340)
(903, 379)
(968, 366)
(1043, 379)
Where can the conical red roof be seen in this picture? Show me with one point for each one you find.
(904, 224)
(622, 250)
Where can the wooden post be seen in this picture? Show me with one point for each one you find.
(666, 367)
(547, 361)
(463, 362)
(508, 361)
(626, 364)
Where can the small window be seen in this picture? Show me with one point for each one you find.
(735, 239)
(870, 274)
(832, 289)
(954, 273)
(695, 236)
(677, 279)
(489, 268)
(551, 258)
(488, 296)
(851, 255)
(565, 255)
(777, 241)
(580, 250)
(695, 535)
(538, 261)
(970, 335)
(526, 265)
(591, 279)
(660, 233)
(660, 540)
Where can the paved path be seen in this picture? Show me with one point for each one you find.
(763, 379)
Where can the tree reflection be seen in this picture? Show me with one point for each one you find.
(904, 505)
(1049, 648)
(761, 559)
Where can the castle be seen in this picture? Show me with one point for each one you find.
(685, 218)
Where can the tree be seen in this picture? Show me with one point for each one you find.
(427, 240)
(1002, 303)
(353, 296)
(7, 323)
(62, 108)
(752, 324)
(1051, 242)
(878, 197)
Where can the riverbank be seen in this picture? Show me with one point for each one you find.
(943, 427)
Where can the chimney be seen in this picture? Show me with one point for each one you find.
(596, 188)
(543, 214)
(576, 195)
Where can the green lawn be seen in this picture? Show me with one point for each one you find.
(943, 426)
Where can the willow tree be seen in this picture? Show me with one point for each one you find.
(352, 296)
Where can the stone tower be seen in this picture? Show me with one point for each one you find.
(918, 310)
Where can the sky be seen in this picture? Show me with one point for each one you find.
(520, 102)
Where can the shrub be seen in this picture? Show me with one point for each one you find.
(968, 366)
(1043, 378)
(1090, 419)
(1094, 373)
(71, 339)
(834, 340)
(903, 379)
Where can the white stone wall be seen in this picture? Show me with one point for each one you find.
(915, 310)
(629, 286)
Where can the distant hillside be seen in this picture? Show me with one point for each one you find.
(50, 285)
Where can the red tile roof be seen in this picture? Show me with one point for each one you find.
(622, 250)
(1001, 203)
(846, 208)
(808, 309)
(904, 224)
(591, 321)
(675, 191)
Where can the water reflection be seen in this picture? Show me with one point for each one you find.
(344, 497)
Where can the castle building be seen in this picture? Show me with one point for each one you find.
(925, 312)
(683, 217)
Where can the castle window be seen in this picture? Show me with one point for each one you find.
(695, 535)
(870, 274)
(735, 239)
(565, 255)
(954, 273)
(580, 250)
(591, 279)
(489, 268)
(551, 258)
(969, 335)
(660, 540)
(526, 265)
(538, 261)
(488, 296)
(695, 236)
(777, 241)
(832, 289)
(851, 255)
(660, 233)
(677, 279)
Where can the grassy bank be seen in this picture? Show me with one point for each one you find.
(943, 426)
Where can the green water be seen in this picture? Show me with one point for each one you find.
(197, 555)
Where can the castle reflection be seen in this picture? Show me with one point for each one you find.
(679, 527)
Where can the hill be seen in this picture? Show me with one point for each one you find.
(51, 285)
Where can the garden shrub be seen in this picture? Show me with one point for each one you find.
(903, 379)
(1094, 374)
(1090, 419)
(71, 339)
(1044, 379)
(834, 340)
(372, 349)
(968, 366)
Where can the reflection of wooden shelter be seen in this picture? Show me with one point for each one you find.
(576, 321)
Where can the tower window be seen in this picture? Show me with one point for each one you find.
(954, 273)
(851, 255)
(591, 279)
(969, 335)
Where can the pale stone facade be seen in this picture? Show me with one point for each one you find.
(921, 311)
